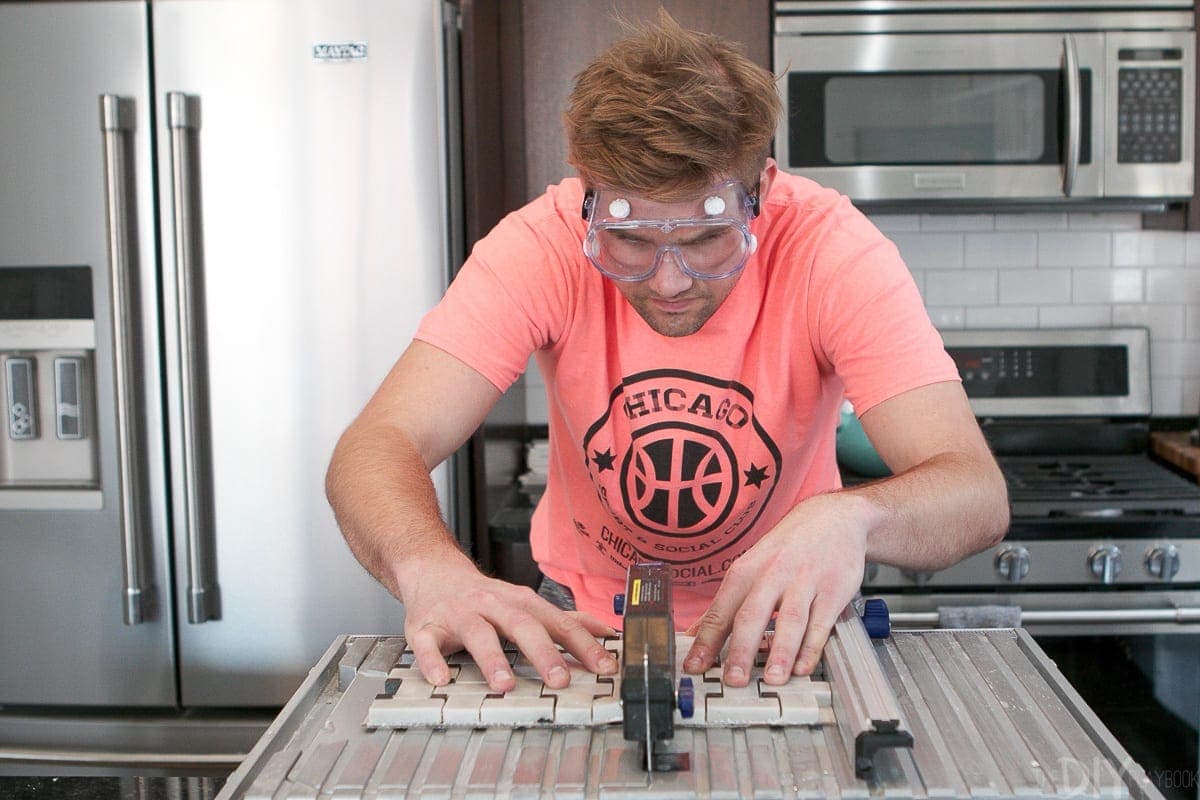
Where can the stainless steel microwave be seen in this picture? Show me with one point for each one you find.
(914, 101)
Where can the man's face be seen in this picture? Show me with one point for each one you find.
(629, 236)
(674, 303)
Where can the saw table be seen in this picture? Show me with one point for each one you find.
(990, 716)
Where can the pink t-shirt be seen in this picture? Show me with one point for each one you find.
(688, 450)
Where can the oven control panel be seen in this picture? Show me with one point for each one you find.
(1054, 564)
(1043, 371)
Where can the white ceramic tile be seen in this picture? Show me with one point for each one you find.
(1166, 396)
(1191, 248)
(918, 276)
(896, 223)
(1191, 325)
(976, 287)
(948, 318)
(958, 222)
(1191, 397)
(1174, 359)
(1109, 221)
(402, 712)
(1002, 317)
(1147, 249)
(1001, 250)
(1165, 322)
(1031, 222)
(1035, 286)
(1074, 316)
(930, 250)
(1071, 249)
(1106, 286)
(1173, 285)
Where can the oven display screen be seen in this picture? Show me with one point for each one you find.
(1058, 371)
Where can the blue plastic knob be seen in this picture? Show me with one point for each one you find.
(686, 698)
(619, 605)
(876, 619)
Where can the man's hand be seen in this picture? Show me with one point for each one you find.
(450, 605)
(807, 568)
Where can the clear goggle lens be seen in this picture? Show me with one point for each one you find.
(715, 244)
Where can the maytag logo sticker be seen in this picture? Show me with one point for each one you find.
(341, 51)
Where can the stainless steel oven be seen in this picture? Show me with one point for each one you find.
(977, 100)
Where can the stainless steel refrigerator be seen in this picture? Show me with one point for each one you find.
(220, 222)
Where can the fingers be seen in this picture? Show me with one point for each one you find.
(426, 643)
(713, 627)
(577, 633)
(790, 625)
(821, 621)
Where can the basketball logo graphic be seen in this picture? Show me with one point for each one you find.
(678, 479)
(683, 467)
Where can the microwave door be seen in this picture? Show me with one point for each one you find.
(886, 117)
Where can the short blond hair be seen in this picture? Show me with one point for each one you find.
(667, 111)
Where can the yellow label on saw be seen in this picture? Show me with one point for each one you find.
(637, 591)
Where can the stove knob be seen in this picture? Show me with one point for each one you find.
(1163, 561)
(1012, 563)
(1105, 563)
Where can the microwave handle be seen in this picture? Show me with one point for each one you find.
(183, 124)
(1072, 144)
(117, 120)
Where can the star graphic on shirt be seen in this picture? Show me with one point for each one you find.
(755, 476)
(603, 460)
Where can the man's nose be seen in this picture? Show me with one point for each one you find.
(669, 279)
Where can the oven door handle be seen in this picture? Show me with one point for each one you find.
(1182, 615)
(1071, 144)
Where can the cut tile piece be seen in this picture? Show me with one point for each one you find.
(404, 712)
(511, 710)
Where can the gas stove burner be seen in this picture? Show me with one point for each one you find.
(1098, 486)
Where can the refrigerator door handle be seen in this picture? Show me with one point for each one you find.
(117, 121)
(183, 123)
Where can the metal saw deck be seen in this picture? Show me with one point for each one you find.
(990, 714)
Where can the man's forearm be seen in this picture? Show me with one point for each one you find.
(385, 503)
(936, 513)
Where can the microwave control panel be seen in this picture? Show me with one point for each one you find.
(1149, 108)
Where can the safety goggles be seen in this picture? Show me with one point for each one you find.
(714, 243)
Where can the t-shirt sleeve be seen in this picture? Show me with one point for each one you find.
(511, 297)
(871, 324)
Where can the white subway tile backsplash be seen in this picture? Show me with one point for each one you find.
(1174, 359)
(1147, 249)
(1031, 222)
(1164, 322)
(958, 222)
(974, 287)
(1035, 286)
(1106, 286)
(1166, 397)
(1108, 221)
(1191, 248)
(1071, 249)
(1002, 317)
(896, 223)
(946, 318)
(1001, 250)
(1191, 397)
(1075, 316)
(1191, 322)
(930, 250)
(1173, 285)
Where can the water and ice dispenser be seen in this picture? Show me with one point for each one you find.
(47, 381)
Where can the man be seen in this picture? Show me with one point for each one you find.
(698, 316)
